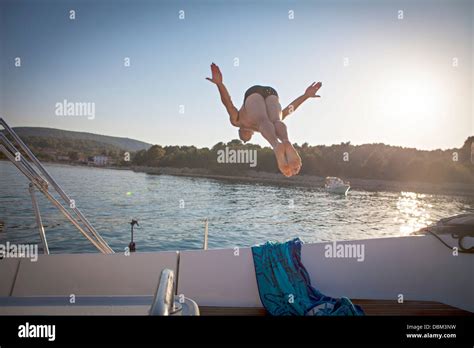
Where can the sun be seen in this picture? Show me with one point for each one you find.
(411, 98)
(419, 96)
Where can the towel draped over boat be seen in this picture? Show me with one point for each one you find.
(285, 287)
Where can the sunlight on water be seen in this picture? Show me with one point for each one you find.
(412, 212)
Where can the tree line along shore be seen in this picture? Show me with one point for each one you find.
(368, 166)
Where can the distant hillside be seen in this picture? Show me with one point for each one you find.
(126, 144)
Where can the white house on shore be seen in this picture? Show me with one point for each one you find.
(100, 160)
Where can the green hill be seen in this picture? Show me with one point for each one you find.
(126, 144)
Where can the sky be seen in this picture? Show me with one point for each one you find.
(403, 79)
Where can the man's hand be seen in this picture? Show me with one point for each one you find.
(312, 90)
(309, 93)
(216, 74)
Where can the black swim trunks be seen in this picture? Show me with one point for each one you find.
(264, 91)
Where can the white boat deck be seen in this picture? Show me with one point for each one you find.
(419, 268)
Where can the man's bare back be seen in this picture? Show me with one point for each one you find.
(261, 112)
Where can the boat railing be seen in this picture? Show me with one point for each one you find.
(206, 233)
(205, 222)
(42, 181)
(163, 301)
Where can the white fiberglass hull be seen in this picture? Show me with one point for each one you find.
(409, 268)
(341, 190)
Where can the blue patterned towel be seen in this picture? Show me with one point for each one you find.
(285, 287)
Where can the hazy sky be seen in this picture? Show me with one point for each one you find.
(400, 86)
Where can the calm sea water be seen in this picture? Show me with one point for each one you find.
(171, 210)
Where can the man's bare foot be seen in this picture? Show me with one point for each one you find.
(281, 160)
(293, 158)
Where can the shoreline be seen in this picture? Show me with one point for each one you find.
(373, 185)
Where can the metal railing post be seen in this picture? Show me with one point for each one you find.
(163, 301)
(206, 233)
(39, 222)
(42, 185)
(53, 200)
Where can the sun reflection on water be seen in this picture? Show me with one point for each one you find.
(412, 212)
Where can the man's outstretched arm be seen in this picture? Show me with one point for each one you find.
(225, 96)
(309, 93)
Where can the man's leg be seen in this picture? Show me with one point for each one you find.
(256, 110)
(273, 107)
(274, 114)
(267, 129)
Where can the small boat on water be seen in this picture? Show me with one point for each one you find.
(336, 185)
